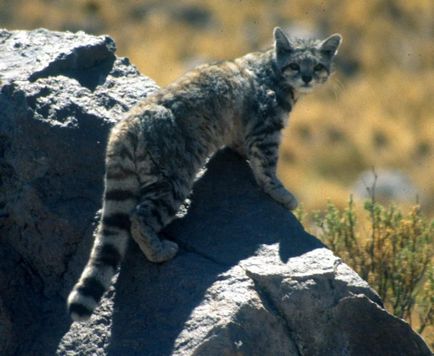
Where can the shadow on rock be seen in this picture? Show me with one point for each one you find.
(229, 220)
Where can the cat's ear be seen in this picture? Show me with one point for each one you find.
(281, 41)
(331, 44)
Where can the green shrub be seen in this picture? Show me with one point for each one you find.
(391, 250)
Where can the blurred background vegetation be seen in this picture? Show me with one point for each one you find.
(377, 111)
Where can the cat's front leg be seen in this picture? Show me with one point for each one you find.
(262, 155)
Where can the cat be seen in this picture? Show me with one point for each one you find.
(155, 152)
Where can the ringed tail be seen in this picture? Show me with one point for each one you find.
(120, 198)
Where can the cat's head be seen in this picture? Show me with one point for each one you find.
(304, 64)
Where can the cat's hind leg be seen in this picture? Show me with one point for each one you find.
(157, 208)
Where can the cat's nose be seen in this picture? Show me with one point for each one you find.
(306, 78)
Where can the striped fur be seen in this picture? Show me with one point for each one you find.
(154, 154)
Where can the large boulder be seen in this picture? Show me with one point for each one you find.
(248, 279)
(59, 95)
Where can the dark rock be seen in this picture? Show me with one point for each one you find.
(248, 279)
(59, 95)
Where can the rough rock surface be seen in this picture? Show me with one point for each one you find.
(59, 95)
(247, 281)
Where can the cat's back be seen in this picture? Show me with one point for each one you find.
(202, 105)
(210, 84)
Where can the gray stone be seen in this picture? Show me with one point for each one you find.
(390, 185)
(248, 279)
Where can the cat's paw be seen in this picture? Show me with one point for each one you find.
(166, 251)
(282, 196)
(155, 249)
(291, 203)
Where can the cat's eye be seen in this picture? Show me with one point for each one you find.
(319, 67)
(294, 66)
